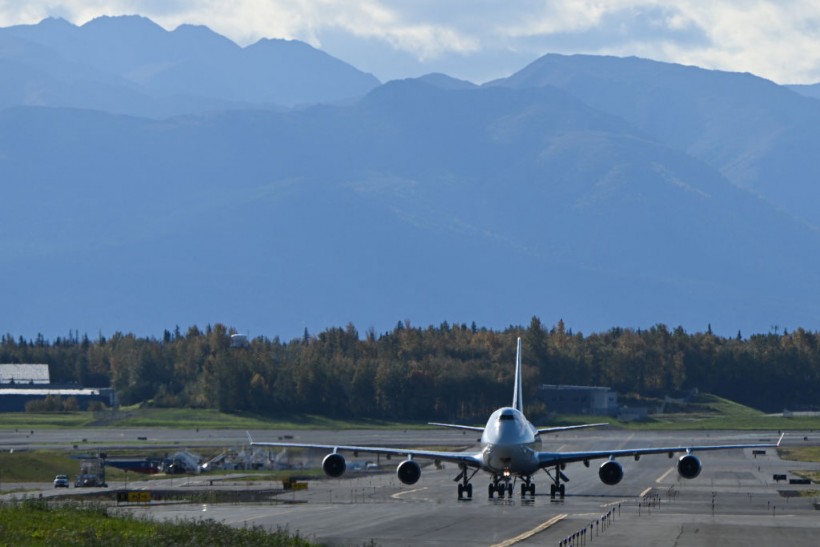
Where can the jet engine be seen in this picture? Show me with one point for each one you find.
(334, 465)
(689, 466)
(611, 472)
(408, 472)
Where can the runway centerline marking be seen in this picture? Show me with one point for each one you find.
(662, 477)
(529, 533)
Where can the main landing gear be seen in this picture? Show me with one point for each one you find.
(464, 487)
(527, 487)
(556, 487)
(502, 485)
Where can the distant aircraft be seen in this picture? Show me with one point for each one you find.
(510, 451)
(179, 463)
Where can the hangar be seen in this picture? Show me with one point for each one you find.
(25, 373)
(22, 383)
(569, 399)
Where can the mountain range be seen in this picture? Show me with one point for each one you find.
(152, 179)
(130, 65)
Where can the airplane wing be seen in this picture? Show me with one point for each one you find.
(547, 459)
(458, 426)
(543, 430)
(466, 458)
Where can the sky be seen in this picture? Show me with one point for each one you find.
(481, 40)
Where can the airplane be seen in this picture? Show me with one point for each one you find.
(510, 451)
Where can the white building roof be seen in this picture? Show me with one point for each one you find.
(45, 392)
(24, 374)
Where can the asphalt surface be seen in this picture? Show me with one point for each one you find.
(734, 501)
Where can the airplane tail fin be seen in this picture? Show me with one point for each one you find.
(518, 402)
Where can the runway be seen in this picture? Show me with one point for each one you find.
(733, 502)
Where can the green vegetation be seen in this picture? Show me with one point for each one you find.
(28, 421)
(708, 411)
(800, 453)
(800, 493)
(44, 465)
(36, 466)
(191, 418)
(813, 476)
(411, 374)
(705, 412)
(184, 418)
(46, 523)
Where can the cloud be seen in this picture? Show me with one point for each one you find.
(775, 39)
(626, 28)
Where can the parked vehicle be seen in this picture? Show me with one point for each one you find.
(92, 473)
(61, 481)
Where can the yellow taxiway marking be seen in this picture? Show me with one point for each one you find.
(645, 492)
(528, 534)
(397, 494)
(662, 477)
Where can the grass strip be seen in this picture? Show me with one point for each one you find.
(38, 522)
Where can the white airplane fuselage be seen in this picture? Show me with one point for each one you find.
(510, 443)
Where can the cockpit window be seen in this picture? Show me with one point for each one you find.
(506, 417)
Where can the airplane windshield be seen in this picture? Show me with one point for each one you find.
(506, 417)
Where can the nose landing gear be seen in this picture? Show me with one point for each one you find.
(501, 485)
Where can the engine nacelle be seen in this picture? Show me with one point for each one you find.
(334, 465)
(611, 472)
(408, 472)
(689, 466)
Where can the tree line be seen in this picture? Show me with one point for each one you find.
(412, 373)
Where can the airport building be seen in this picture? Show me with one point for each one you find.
(26, 374)
(568, 399)
(22, 383)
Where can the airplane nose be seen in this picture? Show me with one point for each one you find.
(504, 455)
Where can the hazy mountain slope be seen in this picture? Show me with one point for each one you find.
(446, 82)
(416, 202)
(190, 69)
(809, 90)
(760, 135)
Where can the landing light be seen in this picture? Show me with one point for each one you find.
(506, 472)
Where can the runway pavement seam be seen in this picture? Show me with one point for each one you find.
(529, 533)
(398, 494)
